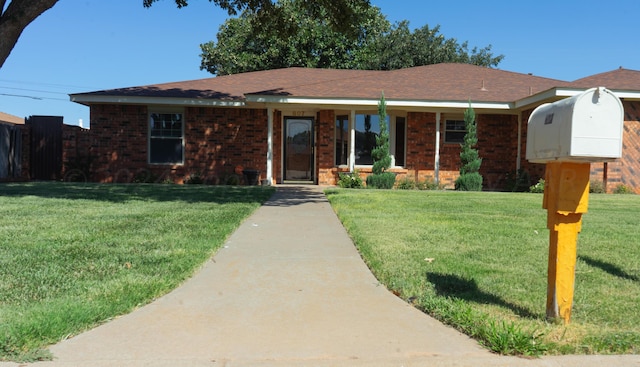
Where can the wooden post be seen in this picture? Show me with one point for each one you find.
(566, 198)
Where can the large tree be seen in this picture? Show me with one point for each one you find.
(16, 15)
(401, 48)
(14, 18)
(310, 41)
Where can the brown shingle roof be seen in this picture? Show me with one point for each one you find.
(440, 82)
(619, 79)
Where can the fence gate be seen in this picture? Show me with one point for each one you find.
(46, 147)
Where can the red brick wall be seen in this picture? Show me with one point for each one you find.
(498, 148)
(219, 143)
(534, 170)
(325, 150)
(76, 155)
(627, 170)
(421, 146)
(119, 142)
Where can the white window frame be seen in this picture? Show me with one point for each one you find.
(165, 111)
(448, 132)
(392, 137)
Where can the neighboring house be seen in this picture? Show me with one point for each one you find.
(10, 119)
(308, 125)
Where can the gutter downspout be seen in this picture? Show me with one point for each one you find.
(269, 146)
(437, 157)
(352, 141)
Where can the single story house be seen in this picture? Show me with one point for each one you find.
(308, 125)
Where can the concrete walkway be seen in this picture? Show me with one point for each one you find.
(287, 289)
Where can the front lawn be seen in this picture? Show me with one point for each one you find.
(75, 255)
(478, 261)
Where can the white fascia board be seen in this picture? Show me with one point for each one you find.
(555, 93)
(174, 101)
(552, 93)
(374, 102)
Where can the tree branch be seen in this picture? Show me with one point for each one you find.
(19, 14)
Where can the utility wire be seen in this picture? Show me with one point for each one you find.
(33, 90)
(32, 97)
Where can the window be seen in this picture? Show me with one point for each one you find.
(454, 131)
(342, 140)
(367, 128)
(166, 138)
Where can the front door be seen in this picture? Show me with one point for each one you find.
(298, 149)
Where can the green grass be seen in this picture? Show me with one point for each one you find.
(478, 261)
(75, 255)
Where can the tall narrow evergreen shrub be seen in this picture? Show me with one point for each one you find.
(470, 178)
(380, 178)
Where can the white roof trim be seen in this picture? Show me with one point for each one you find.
(374, 102)
(548, 94)
(563, 92)
(194, 102)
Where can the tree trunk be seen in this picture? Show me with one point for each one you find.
(15, 19)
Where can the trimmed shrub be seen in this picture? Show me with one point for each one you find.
(384, 180)
(350, 180)
(469, 182)
(194, 179)
(407, 183)
(623, 189)
(470, 178)
(518, 181)
(597, 187)
(538, 188)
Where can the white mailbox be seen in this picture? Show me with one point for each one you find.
(584, 128)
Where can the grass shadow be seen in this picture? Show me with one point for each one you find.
(451, 285)
(145, 192)
(608, 268)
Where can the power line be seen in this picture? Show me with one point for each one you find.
(46, 84)
(33, 90)
(32, 97)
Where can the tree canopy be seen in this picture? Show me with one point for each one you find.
(311, 41)
(400, 48)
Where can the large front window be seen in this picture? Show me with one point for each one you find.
(367, 129)
(166, 135)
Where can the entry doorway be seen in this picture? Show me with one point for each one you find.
(298, 149)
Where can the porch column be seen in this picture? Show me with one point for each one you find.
(352, 141)
(436, 165)
(270, 145)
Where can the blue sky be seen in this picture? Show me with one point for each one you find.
(88, 45)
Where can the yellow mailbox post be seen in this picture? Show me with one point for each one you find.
(569, 135)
